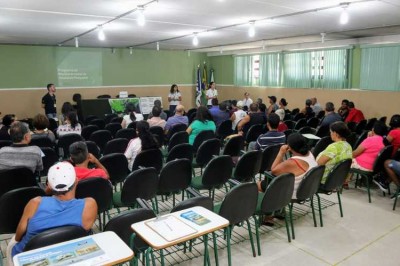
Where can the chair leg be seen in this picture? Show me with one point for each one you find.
(320, 210)
(287, 225)
(291, 219)
(368, 190)
(340, 204)
(395, 197)
(355, 184)
(215, 248)
(256, 223)
(228, 242)
(313, 211)
(162, 257)
(173, 199)
(251, 238)
(153, 259)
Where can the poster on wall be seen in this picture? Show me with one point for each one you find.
(79, 68)
(118, 106)
(147, 103)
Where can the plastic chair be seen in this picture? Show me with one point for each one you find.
(175, 129)
(149, 158)
(361, 127)
(333, 183)
(201, 137)
(101, 137)
(64, 142)
(321, 145)
(12, 205)
(98, 122)
(126, 133)
(42, 141)
(180, 151)
(93, 148)
(360, 139)
(234, 146)
(307, 130)
(116, 146)
(88, 130)
(117, 167)
(159, 133)
(178, 138)
(370, 123)
(207, 150)
(113, 128)
(89, 118)
(298, 116)
(320, 114)
(306, 190)
(268, 156)
(109, 117)
(300, 123)
(101, 191)
(323, 131)
(49, 159)
(253, 133)
(16, 178)
(313, 122)
(224, 129)
(290, 124)
(247, 166)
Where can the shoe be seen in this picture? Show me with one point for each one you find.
(381, 184)
(268, 223)
(345, 186)
(279, 216)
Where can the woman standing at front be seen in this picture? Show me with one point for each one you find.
(174, 98)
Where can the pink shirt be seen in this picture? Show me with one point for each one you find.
(372, 145)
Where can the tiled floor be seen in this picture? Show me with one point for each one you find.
(368, 234)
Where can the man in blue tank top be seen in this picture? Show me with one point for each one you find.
(43, 213)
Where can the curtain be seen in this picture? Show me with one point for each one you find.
(297, 70)
(270, 70)
(334, 69)
(243, 71)
(380, 68)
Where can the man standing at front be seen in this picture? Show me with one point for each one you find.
(49, 102)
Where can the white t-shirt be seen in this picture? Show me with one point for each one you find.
(174, 98)
(239, 115)
(247, 102)
(127, 118)
(211, 93)
(134, 147)
(67, 129)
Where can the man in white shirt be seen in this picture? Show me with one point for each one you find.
(211, 93)
(247, 101)
(315, 106)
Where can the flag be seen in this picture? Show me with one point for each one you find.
(204, 85)
(211, 75)
(198, 88)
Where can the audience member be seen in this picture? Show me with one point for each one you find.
(71, 125)
(4, 130)
(144, 141)
(221, 115)
(254, 117)
(282, 126)
(263, 108)
(354, 115)
(330, 115)
(40, 123)
(202, 122)
(43, 213)
(315, 106)
(283, 105)
(65, 109)
(233, 108)
(343, 111)
(273, 106)
(156, 120)
(336, 152)
(393, 138)
(247, 100)
(178, 118)
(307, 110)
(131, 115)
(211, 93)
(19, 154)
(259, 101)
(237, 115)
(163, 115)
(214, 107)
(81, 158)
(272, 137)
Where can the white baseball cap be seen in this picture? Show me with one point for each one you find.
(61, 177)
(281, 113)
(239, 104)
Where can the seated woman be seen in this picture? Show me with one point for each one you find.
(131, 115)
(203, 121)
(336, 152)
(307, 110)
(40, 123)
(299, 164)
(156, 120)
(144, 141)
(71, 125)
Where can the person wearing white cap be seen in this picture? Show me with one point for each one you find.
(238, 115)
(61, 209)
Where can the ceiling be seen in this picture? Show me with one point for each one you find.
(173, 22)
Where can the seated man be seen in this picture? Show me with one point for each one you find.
(178, 118)
(156, 119)
(19, 154)
(254, 117)
(343, 111)
(214, 107)
(220, 115)
(272, 137)
(163, 114)
(81, 158)
(354, 115)
(42, 213)
(330, 115)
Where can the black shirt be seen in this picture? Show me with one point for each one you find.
(49, 104)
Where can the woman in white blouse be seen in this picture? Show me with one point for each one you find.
(174, 98)
(71, 125)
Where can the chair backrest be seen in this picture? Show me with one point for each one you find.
(321, 145)
(217, 171)
(97, 188)
(278, 194)
(54, 236)
(288, 132)
(322, 131)
(116, 146)
(307, 130)
(5, 143)
(310, 183)
(268, 157)
(49, 159)
(352, 138)
(149, 158)
(178, 138)
(396, 155)
(16, 178)
(207, 150)
(121, 225)
(12, 205)
(174, 129)
(298, 116)
(360, 139)
(337, 175)
(93, 148)
(117, 120)
(352, 126)
(361, 126)
(313, 122)
(175, 176)
(290, 124)
(300, 123)
(42, 141)
(248, 166)
(201, 137)
(180, 151)
(104, 96)
(239, 203)
(113, 128)
(234, 146)
(158, 132)
(65, 141)
(320, 114)
(384, 154)
(109, 117)
(53, 125)
(126, 133)
(254, 132)
(89, 118)
(98, 122)
(224, 129)
(141, 183)
(88, 130)
(101, 137)
(116, 165)
(370, 123)
(201, 201)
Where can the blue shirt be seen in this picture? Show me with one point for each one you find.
(330, 118)
(175, 120)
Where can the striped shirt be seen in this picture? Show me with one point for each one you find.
(21, 156)
(270, 138)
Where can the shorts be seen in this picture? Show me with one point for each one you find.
(355, 165)
(395, 166)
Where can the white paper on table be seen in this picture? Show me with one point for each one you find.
(171, 228)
